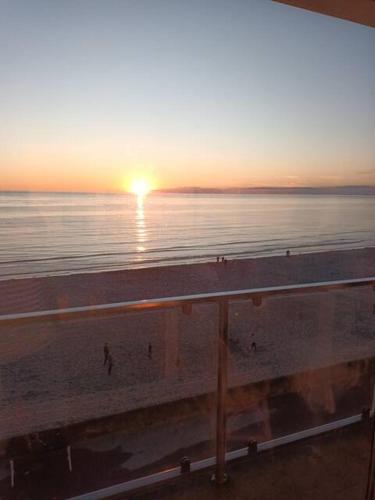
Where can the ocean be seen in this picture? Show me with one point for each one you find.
(54, 233)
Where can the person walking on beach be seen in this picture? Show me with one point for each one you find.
(253, 347)
(106, 353)
(288, 253)
(110, 364)
(149, 350)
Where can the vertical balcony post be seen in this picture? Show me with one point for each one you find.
(12, 481)
(222, 383)
(370, 472)
(371, 466)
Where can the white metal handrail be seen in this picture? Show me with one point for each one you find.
(168, 302)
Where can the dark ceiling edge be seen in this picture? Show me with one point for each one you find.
(357, 11)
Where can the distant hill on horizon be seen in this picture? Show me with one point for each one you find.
(338, 190)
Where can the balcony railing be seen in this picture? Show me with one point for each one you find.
(223, 301)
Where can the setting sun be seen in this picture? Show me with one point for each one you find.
(140, 187)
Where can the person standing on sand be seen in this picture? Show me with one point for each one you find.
(106, 353)
(149, 350)
(253, 347)
(110, 364)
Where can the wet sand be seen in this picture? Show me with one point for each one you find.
(52, 373)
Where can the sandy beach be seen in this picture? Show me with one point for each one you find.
(52, 373)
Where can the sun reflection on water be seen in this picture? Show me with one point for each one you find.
(141, 230)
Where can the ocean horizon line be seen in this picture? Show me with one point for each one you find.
(347, 190)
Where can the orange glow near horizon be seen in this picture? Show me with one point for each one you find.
(112, 174)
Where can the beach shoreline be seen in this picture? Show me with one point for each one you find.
(162, 263)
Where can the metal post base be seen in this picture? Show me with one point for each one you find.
(223, 480)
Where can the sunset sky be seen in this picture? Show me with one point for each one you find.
(186, 93)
